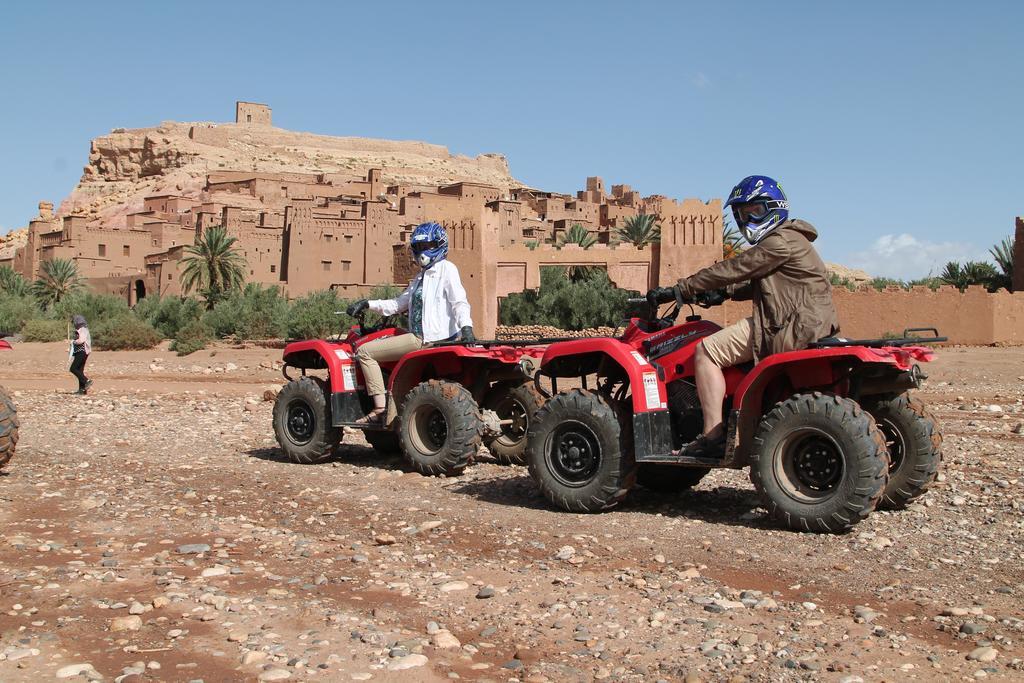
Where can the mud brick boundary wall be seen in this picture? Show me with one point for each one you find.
(973, 317)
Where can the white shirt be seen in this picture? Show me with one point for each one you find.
(445, 306)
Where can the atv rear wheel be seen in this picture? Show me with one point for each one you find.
(580, 452)
(519, 403)
(669, 478)
(914, 442)
(8, 427)
(302, 421)
(439, 427)
(819, 462)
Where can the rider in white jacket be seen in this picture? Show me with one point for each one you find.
(437, 309)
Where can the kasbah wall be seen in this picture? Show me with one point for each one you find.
(310, 231)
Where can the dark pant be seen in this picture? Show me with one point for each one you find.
(78, 368)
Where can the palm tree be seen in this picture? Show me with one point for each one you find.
(11, 282)
(1003, 255)
(213, 265)
(731, 244)
(59, 277)
(577, 234)
(970, 273)
(640, 230)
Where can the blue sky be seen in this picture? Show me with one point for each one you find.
(893, 126)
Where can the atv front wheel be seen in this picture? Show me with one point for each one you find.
(8, 427)
(669, 478)
(440, 427)
(580, 452)
(302, 421)
(518, 403)
(819, 462)
(914, 442)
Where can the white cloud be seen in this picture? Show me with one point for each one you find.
(700, 80)
(906, 257)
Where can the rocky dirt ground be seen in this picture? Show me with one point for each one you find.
(152, 531)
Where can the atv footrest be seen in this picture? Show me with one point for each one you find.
(669, 459)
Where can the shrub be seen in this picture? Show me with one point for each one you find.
(592, 301)
(255, 312)
(97, 308)
(42, 330)
(169, 314)
(192, 337)
(314, 316)
(15, 311)
(124, 333)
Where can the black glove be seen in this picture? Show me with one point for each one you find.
(467, 334)
(661, 295)
(357, 307)
(713, 297)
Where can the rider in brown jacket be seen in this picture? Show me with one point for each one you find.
(786, 280)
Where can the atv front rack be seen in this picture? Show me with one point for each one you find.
(905, 340)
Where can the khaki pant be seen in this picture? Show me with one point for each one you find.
(371, 354)
(731, 345)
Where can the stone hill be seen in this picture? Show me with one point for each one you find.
(175, 158)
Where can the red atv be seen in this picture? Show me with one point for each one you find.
(443, 400)
(829, 432)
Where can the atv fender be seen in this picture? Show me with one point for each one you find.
(820, 369)
(474, 367)
(587, 356)
(317, 354)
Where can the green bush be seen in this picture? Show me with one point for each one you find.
(385, 292)
(314, 316)
(255, 312)
(591, 301)
(42, 330)
(15, 311)
(97, 308)
(124, 333)
(192, 337)
(169, 314)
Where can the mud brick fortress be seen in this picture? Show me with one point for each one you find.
(305, 229)
(311, 231)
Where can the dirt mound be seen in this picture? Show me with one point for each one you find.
(856, 275)
(174, 158)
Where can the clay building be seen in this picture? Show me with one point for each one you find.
(306, 232)
(252, 113)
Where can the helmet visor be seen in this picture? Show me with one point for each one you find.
(750, 212)
(420, 247)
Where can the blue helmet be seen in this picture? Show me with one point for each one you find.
(759, 206)
(429, 244)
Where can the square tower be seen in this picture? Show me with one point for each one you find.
(252, 113)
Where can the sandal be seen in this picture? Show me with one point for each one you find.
(703, 447)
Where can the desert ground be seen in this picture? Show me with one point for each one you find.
(153, 531)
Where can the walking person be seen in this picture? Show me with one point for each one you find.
(81, 347)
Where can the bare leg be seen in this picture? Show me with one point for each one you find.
(711, 389)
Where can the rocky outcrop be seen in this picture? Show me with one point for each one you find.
(174, 158)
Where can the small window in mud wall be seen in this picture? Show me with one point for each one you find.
(348, 239)
(345, 265)
(326, 265)
(273, 268)
(328, 237)
(127, 250)
(102, 250)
